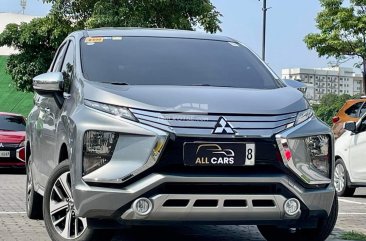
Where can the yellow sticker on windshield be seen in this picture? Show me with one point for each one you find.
(94, 40)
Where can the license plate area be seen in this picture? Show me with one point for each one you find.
(4, 154)
(219, 154)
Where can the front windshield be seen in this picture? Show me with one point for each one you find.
(173, 61)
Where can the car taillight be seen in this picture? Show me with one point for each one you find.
(20, 154)
(335, 119)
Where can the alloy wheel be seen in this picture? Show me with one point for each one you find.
(339, 178)
(62, 210)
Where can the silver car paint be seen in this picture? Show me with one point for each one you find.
(67, 125)
(100, 201)
(216, 100)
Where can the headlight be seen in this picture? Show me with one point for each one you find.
(111, 109)
(303, 116)
(318, 147)
(308, 157)
(98, 149)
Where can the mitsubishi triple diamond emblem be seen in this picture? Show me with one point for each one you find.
(223, 127)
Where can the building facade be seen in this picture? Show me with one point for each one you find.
(336, 80)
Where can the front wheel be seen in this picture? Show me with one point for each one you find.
(341, 178)
(59, 211)
(33, 199)
(321, 233)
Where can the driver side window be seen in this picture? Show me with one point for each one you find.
(68, 67)
(56, 64)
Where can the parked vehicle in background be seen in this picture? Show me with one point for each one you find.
(350, 165)
(352, 110)
(12, 139)
(144, 126)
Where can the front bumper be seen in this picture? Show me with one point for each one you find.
(12, 164)
(115, 203)
(109, 192)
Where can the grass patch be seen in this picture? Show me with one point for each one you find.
(12, 100)
(353, 235)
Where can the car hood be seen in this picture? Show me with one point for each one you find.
(12, 136)
(224, 100)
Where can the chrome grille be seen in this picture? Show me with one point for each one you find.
(203, 124)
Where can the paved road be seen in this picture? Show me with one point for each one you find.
(14, 225)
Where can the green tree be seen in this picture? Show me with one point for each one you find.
(174, 14)
(342, 32)
(329, 105)
(38, 40)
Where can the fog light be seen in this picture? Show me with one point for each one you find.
(292, 206)
(142, 206)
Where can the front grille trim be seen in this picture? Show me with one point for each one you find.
(204, 124)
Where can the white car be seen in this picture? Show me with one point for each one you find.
(350, 156)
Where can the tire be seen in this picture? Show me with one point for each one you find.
(34, 201)
(341, 180)
(58, 192)
(321, 233)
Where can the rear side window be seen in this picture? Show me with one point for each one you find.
(12, 123)
(354, 110)
(173, 61)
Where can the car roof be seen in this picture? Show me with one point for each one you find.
(10, 114)
(150, 32)
(356, 100)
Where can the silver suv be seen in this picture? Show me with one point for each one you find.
(142, 126)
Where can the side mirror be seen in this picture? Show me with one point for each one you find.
(296, 84)
(350, 126)
(48, 82)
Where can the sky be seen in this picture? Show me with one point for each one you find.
(288, 21)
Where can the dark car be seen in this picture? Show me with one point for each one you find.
(12, 137)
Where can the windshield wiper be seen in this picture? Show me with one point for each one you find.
(115, 83)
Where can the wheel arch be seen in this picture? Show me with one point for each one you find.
(64, 153)
(338, 157)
